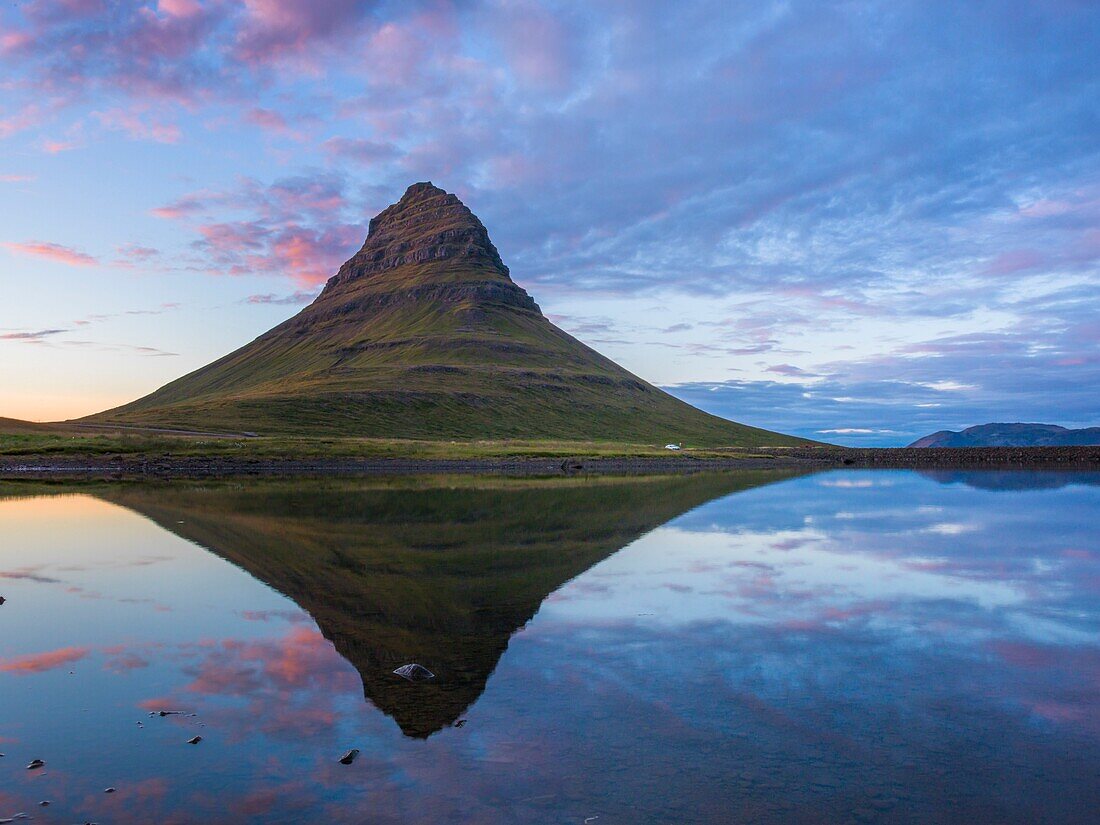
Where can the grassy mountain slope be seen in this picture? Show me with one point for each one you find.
(423, 334)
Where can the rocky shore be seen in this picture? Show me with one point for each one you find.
(809, 459)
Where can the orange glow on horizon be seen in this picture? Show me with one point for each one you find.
(52, 409)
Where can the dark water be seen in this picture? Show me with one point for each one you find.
(853, 646)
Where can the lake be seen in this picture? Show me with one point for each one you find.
(851, 646)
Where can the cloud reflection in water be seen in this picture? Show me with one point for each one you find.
(857, 645)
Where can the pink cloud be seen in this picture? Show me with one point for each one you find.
(274, 29)
(134, 253)
(787, 369)
(308, 256)
(815, 296)
(55, 147)
(294, 229)
(359, 150)
(1014, 261)
(400, 53)
(40, 662)
(16, 178)
(53, 252)
(516, 170)
(125, 662)
(22, 120)
(181, 208)
(31, 337)
(315, 195)
(226, 240)
(159, 703)
(138, 129)
(66, 9)
(14, 41)
(179, 8)
(299, 659)
(537, 46)
(67, 48)
(267, 119)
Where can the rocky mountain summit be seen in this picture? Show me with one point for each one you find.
(423, 334)
(1012, 435)
(427, 224)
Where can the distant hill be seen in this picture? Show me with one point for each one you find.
(1012, 435)
(423, 334)
(15, 426)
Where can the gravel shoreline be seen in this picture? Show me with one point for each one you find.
(810, 459)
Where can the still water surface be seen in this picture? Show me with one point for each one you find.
(842, 647)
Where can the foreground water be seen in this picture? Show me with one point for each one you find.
(851, 646)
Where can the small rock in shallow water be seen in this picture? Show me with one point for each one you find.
(108, 790)
(414, 672)
(36, 764)
(45, 803)
(460, 723)
(2, 600)
(349, 757)
(194, 740)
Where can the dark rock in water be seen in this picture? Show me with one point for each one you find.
(415, 673)
(36, 764)
(2, 600)
(460, 723)
(45, 803)
(349, 757)
(108, 790)
(194, 740)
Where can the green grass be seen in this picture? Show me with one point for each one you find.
(464, 358)
(279, 447)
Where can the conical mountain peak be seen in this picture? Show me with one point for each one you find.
(423, 334)
(426, 225)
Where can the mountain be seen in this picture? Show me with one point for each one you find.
(1013, 480)
(423, 334)
(1012, 435)
(15, 426)
(440, 572)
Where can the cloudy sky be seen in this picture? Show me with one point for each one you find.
(858, 221)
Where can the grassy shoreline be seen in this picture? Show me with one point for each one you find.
(60, 450)
(520, 460)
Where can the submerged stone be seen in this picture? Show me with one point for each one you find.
(414, 672)
(349, 757)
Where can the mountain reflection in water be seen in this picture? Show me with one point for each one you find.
(864, 646)
(439, 574)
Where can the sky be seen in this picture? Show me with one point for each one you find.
(854, 221)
